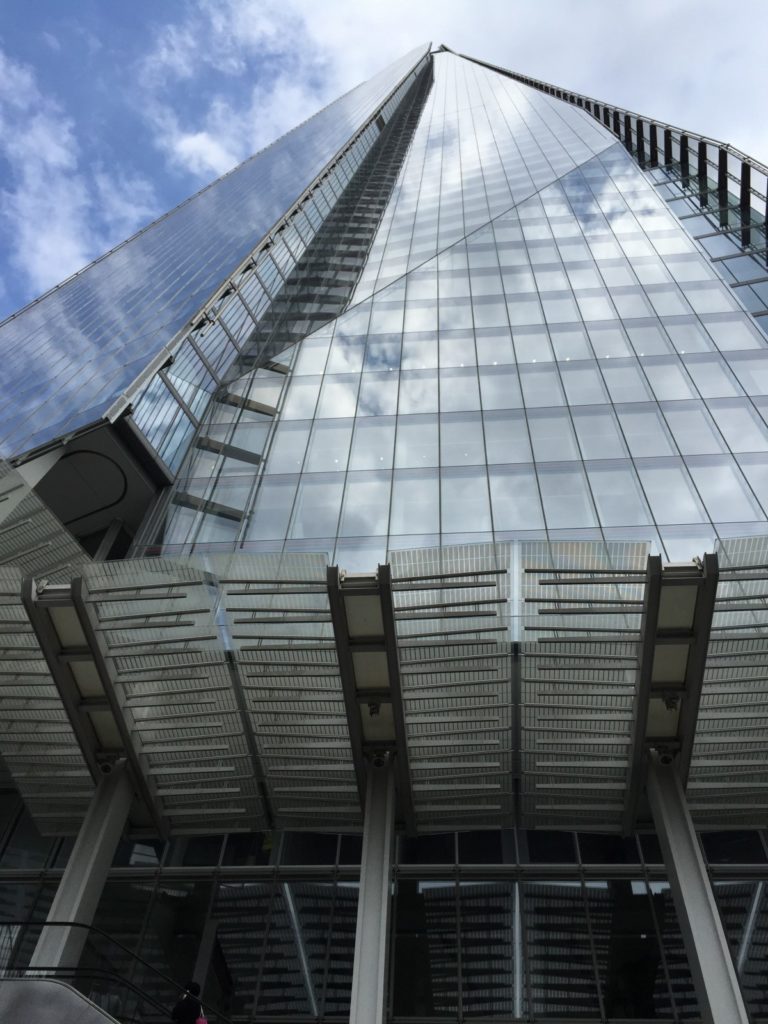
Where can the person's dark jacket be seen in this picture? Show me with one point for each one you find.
(187, 1010)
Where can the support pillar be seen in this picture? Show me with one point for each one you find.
(369, 975)
(83, 880)
(712, 968)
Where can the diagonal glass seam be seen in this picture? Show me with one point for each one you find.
(476, 230)
(316, 264)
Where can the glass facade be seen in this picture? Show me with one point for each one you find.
(486, 323)
(72, 353)
(562, 364)
(497, 925)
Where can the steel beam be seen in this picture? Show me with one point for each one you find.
(143, 785)
(402, 769)
(83, 880)
(369, 973)
(709, 958)
(651, 598)
(347, 673)
(679, 603)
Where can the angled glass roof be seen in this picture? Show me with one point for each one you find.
(70, 354)
(520, 666)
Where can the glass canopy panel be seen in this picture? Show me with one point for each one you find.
(517, 660)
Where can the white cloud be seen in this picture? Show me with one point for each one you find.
(291, 57)
(55, 213)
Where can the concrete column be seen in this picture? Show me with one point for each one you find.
(369, 975)
(83, 880)
(712, 968)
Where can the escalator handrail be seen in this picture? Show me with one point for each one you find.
(26, 923)
(84, 972)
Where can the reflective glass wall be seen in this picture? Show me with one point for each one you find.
(535, 348)
(70, 354)
(485, 925)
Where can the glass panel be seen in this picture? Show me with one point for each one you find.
(645, 430)
(373, 443)
(486, 929)
(583, 384)
(631, 969)
(692, 428)
(417, 442)
(617, 494)
(670, 492)
(329, 446)
(366, 504)
(515, 498)
(506, 437)
(560, 970)
(541, 385)
(425, 955)
(464, 500)
(318, 501)
(552, 436)
(461, 439)
(240, 918)
(668, 379)
(565, 495)
(500, 387)
(743, 428)
(724, 490)
(598, 433)
(173, 936)
(415, 502)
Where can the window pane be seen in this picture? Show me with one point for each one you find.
(366, 505)
(506, 437)
(372, 443)
(583, 383)
(500, 387)
(515, 498)
(338, 396)
(541, 385)
(459, 389)
(415, 502)
(329, 446)
(625, 381)
(566, 497)
(274, 501)
(668, 379)
(552, 435)
(617, 495)
(598, 433)
(317, 505)
(464, 500)
(723, 490)
(461, 439)
(417, 441)
(644, 430)
(670, 493)
(744, 429)
(418, 391)
(692, 428)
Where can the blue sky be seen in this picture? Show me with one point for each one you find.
(112, 113)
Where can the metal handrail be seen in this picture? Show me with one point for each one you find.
(26, 923)
(84, 972)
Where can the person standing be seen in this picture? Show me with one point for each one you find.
(189, 1009)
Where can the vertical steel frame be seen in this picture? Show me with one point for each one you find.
(712, 968)
(86, 872)
(369, 975)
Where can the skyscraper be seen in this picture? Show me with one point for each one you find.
(411, 478)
